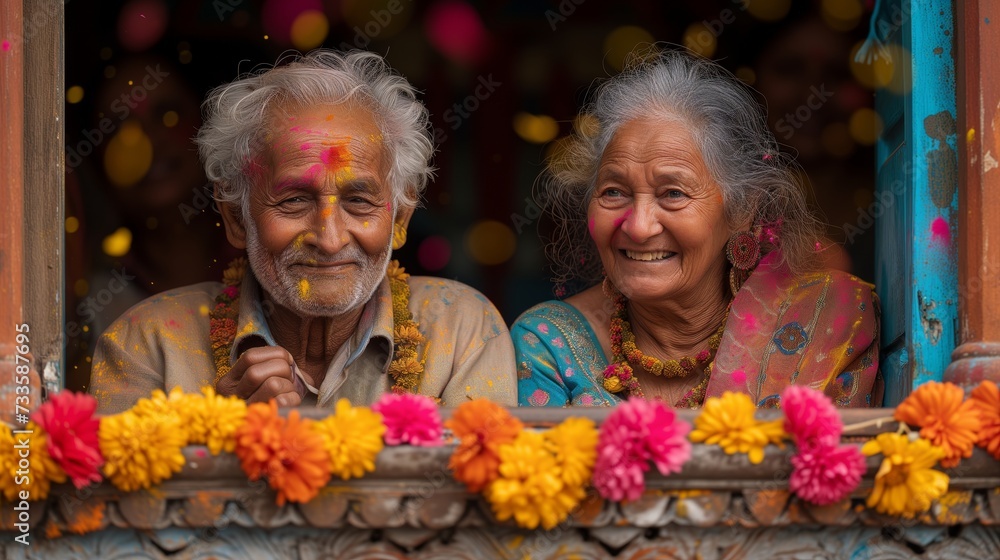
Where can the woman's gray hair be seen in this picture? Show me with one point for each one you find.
(760, 186)
(237, 118)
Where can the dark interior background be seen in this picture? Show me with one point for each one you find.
(139, 220)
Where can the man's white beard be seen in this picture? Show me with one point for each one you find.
(276, 279)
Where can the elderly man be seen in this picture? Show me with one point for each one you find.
(318, 166)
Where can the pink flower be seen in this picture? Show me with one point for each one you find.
(824, 474)
(636, 432)
(810, 417)
(231, 292)
(409, 418)
(68, 419)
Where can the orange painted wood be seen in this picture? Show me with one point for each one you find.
(978, 91)
(11, 196)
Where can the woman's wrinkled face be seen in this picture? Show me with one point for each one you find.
(657, 215)
(321, 212)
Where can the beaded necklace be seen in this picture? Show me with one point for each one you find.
(619, 375)
(405, 368)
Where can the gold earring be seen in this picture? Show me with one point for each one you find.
(398, 237)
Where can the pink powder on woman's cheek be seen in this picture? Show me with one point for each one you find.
(590, 227)
(623, 218)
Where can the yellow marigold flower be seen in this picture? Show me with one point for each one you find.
(234, 274)
(406, 366)
(353, 437)
(574, 445)
(906, 482)
(396, 272)
(141, 449)
(945, 419)
(216, 420)
(40, 472)
(185, 406)
(729, 422)
(529, 487)
(407, 333)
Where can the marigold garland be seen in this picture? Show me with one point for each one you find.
(573, 443)
(944, 419)
(906, 482)
(141, 449)
(481, 427)
(529, 486)
(68, 420)
(352, 437)
(215, 421)
(986, 398)
(41, 471)
(287, 451)
(729, 422)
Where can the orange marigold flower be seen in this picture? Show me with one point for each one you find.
(481, 427)
(986, 399)
(288, 452)
(944, 419)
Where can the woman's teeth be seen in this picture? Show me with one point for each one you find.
(648, 256)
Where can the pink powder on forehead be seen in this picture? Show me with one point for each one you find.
(621, 220)
(305, 146)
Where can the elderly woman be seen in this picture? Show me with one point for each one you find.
(318, 165)
(679, 198)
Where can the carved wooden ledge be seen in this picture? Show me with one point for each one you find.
(411, 507)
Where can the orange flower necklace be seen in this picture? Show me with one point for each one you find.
(406, 367)
(619, 375)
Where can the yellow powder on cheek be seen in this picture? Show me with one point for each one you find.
(299, 240)
(304, 288)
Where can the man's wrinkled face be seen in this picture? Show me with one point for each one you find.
(321, 213)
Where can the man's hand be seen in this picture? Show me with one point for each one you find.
(261, 374)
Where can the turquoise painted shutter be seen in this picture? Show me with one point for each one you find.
(916, 207)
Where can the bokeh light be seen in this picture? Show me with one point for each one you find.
(74, 94)
(769, 10)
(309, 30)
(184, 57)
(278, 17)
(836, 139)
(491, 242)
(865, 126)
(110, 72)
(118, 243)
(456, 30)
(81, 287)
(881, 71)
(170, 119)
(129, 155)
(622, 42)
(537, 129)
(842, 15)
(700, 39)
(373, 20)
(141, 23)
(106, 53)
(746, 75)
(72, 224)
(434, 253)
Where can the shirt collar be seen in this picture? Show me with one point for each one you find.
(376, 323)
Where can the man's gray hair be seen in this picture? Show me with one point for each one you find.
(237, 116)
(760, 185)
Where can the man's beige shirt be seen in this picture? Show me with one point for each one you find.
(163, 342)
